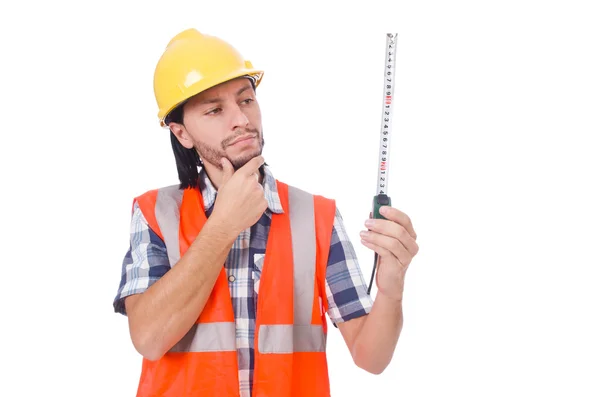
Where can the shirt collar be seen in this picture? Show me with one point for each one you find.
(209, 192)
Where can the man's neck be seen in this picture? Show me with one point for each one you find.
(215, 174)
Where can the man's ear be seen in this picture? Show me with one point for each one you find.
(181, 134)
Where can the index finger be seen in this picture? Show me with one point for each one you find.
(253, 165)
(395, 215)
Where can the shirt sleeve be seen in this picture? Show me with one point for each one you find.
(346, 288)
(145, 262)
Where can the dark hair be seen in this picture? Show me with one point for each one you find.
(187, 160)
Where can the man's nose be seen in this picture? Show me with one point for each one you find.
(239, 118)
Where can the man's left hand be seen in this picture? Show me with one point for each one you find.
(394, 240)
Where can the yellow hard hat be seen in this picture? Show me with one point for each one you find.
(192, 63)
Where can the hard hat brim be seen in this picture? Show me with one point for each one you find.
(204, 84)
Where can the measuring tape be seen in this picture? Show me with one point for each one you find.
(381, 198)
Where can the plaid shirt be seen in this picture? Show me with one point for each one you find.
(146, 261)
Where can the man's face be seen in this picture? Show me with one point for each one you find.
(224, 121)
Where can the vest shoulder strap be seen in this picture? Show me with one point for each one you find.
(159, 205)
(322, 211)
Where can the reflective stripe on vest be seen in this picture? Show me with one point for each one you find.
(302, 336)
(207, 337)
(168, 201)
(291, 338)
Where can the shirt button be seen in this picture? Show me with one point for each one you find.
(231, 278)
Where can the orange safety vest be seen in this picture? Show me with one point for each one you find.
(291, 327)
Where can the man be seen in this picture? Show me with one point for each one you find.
(227, 294)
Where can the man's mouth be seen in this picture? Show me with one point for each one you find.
(242, 138)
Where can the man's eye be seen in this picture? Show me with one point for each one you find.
(214, 111)
(247, 101)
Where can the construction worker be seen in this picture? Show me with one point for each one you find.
(231, 273)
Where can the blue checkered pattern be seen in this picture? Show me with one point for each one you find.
(146, 261)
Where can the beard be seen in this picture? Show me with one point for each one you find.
(213, 155)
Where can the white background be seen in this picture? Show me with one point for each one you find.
(494, 157)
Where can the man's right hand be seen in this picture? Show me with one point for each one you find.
(240, 200)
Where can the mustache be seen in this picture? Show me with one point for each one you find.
(232, 138)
